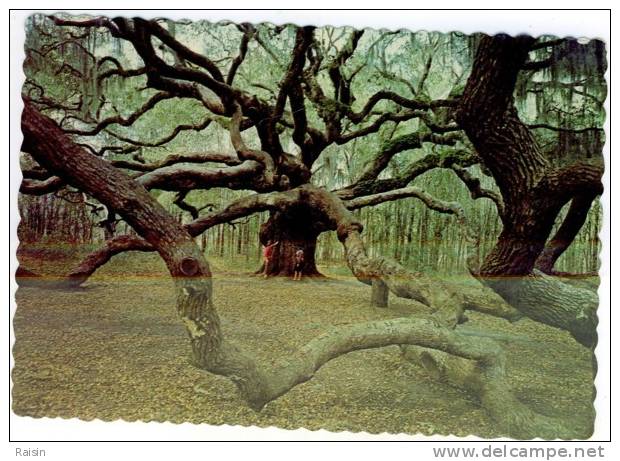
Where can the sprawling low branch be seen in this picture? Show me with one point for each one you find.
(98, 258)
(476, 364)
(547, 300)
(533, 191)
(257, 383)
(400, 281)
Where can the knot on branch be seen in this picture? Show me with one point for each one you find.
(189, 266)
(284, 182)
(345, 229)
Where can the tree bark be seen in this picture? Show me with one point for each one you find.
(485, 378)
(48, 144)
(533, 191)
(379, 294)
(186, 263)
(296, 227)
(559, 243)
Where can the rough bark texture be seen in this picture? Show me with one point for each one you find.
(532, 195)
(533, 191)
(485, 378)
(257, 383)
(296, 227)
(379, 293)
(559, 243)
(47, 143)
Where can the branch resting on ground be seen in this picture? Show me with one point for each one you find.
(260, 384)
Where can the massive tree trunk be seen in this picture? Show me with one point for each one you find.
(259, 384)
(297, 227)
(534, 195)
(533, 190)
(47, 143)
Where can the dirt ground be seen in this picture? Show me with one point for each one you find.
(115, 349)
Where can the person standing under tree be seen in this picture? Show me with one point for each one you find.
(267, 254)
(299, 264)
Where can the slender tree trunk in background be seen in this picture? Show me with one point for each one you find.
(61, 219)
(220, 241)
(295, 229)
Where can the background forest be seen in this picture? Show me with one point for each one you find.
(458, 173)
(422, 64)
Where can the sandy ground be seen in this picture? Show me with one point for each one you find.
(115, 349)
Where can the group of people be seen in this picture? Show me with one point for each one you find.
(268, 254)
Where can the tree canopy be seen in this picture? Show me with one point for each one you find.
(310, 125)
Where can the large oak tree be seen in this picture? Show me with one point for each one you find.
(315, 105)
